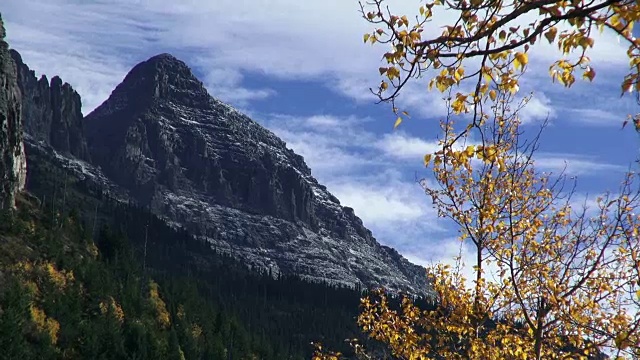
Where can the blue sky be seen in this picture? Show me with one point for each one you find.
(300, 68)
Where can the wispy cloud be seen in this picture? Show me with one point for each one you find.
(395, 209)
(226, 83)
(539, 108)
(400, 145)
(574, 164)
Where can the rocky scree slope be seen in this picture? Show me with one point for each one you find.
(12, 156)
(201, 164)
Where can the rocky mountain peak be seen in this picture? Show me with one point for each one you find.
(204, 166)
(13, 166)
(51, 110)
(162, 77)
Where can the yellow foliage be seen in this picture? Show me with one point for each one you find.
(111, 306)
(563, 283)
(496, 35)
(398, 122)
(45, 270)
(38, 317)
(160, 308)
(60, 279)
(52, 328)
(45, 324)
(23, 267)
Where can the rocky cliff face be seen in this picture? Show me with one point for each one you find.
(12, 157)
(51, 111)
(203, 165)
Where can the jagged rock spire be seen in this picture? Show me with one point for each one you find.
(12, 157)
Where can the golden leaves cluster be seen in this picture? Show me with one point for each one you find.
(158, 305)
(110, 307)
(492, 39)
(40, 278)
(45, 272)
(44, 324)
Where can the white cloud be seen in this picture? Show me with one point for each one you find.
(382, 202)
(324, 157)
(399, 145)
(573, 164)
(597, 117)
(538, 108)
(397, 210)
(226, 83)
(460, 255)
(602, 111)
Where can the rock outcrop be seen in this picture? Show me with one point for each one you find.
(51, 111)
(202, 165)
(12, 156)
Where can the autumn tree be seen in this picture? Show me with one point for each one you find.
(552, 279)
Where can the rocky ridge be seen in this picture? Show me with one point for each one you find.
(162, 141)
(201, 164)
(51, 111)
(12, 155)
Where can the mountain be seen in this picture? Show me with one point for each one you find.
(12, 156)
(202, 165)
(161, 141)
(52, 111)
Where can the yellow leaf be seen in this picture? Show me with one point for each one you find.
(459, 73)
(520, 60)
(615, 20)
(551, 34)
(493, 95)
(427, 159)
(589, 74)
(397, 123)
(486, 73)
(620, 341)
(470, 150)
(366, 37)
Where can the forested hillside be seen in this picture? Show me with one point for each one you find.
(78, 283)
